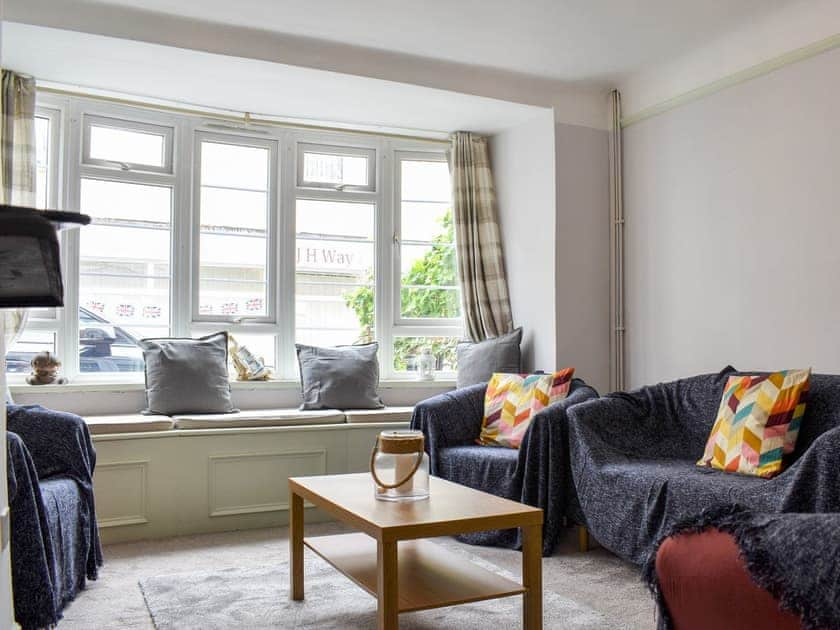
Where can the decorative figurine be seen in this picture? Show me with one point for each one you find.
(249, 367)
(45, 368)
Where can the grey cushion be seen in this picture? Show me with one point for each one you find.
(257, 418)
(187, 375)
(344, 377)
(478, 361)
(127, 423)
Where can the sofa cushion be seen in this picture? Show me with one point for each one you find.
(478, 361)
(127, 423)
(757, 423)
(512, 400)
(187, 375)
(258, 418)
(344, 377)
(388, 414)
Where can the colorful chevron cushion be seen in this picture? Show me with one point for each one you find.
(757, 423)
(512, 400)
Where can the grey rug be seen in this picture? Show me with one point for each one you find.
(258, 598)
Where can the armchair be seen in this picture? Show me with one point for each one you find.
(54, 536)
(537, 473)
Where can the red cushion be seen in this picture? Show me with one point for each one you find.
(705, 585)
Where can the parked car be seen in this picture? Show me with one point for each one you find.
(103, 347)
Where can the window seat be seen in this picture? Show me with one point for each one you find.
(127, 423)
(139, 423)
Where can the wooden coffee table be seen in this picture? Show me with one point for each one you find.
(387, 558)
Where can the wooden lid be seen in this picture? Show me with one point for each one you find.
(401, 442)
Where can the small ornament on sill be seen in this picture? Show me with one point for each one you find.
(249, 367)
(426, 363)
(45, 367)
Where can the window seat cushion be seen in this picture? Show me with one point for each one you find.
(388, 414)
(127, 423)
(258, 418)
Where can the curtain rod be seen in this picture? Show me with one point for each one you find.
(245, 118)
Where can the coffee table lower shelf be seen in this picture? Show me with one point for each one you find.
(429, 575)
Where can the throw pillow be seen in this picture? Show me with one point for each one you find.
(344, 377)
(187, 375)
(477, 362)
(512, 400)
(757, 423)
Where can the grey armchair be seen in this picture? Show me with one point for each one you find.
(536, 474)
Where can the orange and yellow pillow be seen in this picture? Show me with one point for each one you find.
(757, 423)
(512, 400)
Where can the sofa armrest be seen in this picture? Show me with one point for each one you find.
(58, 442)
(558, 412)
(450, 419)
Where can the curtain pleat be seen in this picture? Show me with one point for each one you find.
(17, 165)
(481, 270)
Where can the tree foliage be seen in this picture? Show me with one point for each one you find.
(435, 269)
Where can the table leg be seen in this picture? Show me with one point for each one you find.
(532, 577)
(296, 545)
(387, 586)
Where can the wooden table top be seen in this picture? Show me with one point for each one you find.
(450, 509)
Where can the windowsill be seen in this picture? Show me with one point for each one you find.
(136, 386)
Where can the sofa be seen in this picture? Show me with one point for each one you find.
(732, 568)
(537, 473)
(54, 535)
(633, 461)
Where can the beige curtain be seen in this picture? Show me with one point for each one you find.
(481, 268)
(17, 163)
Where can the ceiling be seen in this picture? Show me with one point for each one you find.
(304, 95)
(590, 41)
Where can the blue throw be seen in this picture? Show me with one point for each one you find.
(55, 538)
(536, 474)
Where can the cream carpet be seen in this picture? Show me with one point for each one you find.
(257, 599)
(590, 587)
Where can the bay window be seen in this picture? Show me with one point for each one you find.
(276, 235)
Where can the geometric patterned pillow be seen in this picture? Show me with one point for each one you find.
(512, 400)
(757, 423)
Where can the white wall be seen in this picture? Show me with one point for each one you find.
(792, 26)
(583, 253)
(732, 224)
(523, 165)
(552, 184)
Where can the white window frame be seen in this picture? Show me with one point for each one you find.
(300, 142)
(341, 150)
(81, 111)
(287, 145)
(412, 326)
(241, 140)
(167, 132)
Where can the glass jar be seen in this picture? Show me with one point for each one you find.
(400, 466)
(426, 364)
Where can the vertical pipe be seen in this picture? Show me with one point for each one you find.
(617, 377)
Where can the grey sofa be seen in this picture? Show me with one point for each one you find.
(633, 461)
(537, 473)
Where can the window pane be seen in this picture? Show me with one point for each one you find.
(261, 346)
(428, 271)
(334, 295)
(336, 218)
(407, 350)
(42, 162)
(124, 273)
(116, 202)
(234, 166)
(233, 240)
(326, 168)
(131, 146)
(30, 343)
(425, 181)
